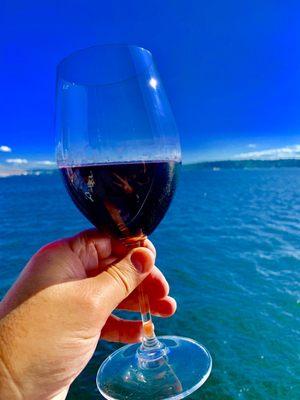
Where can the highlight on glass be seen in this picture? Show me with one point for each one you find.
(119, 155)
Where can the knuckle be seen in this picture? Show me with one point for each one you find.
(89, 305)
(86, 299)
(50, 247)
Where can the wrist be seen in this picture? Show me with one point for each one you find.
(16, 363)
(9, 390)
(8, 387)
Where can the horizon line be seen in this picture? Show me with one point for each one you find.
(55, 166)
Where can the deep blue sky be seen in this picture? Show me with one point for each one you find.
(231, 68)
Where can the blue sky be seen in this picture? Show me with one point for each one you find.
(230, 68)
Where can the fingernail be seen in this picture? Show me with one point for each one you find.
(142, 260)
(137, 261)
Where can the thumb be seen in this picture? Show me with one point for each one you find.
(121, 278)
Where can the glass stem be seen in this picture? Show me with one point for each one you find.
(151, 351)
(149, 338)
(148, 326)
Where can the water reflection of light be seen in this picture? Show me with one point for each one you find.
(153, 83)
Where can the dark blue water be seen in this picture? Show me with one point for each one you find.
(230, 247)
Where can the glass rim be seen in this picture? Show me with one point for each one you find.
(102, 46)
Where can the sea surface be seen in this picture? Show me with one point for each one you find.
(230, 248)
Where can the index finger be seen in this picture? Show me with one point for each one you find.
(101, 250)
(119, 248)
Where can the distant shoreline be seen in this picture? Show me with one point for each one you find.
(208, 165)
(247, 164)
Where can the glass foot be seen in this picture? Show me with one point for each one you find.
(185, 366)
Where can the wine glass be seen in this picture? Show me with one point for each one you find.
(118, 151)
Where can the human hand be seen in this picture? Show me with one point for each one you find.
(54, 315)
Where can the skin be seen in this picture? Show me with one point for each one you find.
(60, 306)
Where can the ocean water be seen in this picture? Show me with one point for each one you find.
(230, 248)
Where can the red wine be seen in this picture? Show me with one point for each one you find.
(128, 199)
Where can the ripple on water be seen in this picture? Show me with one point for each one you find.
(229, 247)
